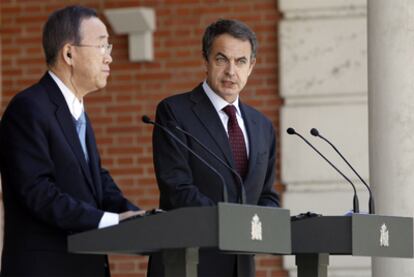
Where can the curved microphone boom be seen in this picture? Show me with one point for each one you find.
(292, 131)
(371, 204)
(147, 120)
(242, 190)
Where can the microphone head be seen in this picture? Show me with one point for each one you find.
(146, 119)
(290, 131)
(314, 132)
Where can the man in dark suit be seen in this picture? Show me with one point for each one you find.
(237, 133)
(52, 179)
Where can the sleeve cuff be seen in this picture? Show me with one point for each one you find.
(108, 219)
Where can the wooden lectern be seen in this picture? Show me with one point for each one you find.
(315, 238)
(178, 234)
(234, 228)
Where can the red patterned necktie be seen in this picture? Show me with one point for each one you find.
(237, 143)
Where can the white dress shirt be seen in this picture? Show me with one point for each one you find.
(219, 103)
(76, 108)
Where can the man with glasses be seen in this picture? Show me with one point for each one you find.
(52, 179)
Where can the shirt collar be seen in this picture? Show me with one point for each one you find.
(218, 102)
(75, 106)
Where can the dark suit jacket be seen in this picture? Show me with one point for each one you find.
(185, 181)
(49, 190)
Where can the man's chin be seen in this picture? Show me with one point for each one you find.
(101, 85)
(98, 88)
(229, 94)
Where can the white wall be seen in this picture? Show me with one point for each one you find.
(1, 197)
(323, 56)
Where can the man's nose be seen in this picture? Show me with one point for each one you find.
(231, 68)
(108, 59)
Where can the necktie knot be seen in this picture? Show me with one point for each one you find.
(230, 110)
(80, 122)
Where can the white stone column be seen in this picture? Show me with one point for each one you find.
(391, 116)
(1, 193)
(323, 76)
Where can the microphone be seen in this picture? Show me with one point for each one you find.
(292, 131)
(147, 120)
(371, 204)
(239, 178)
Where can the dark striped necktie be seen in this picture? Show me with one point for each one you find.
(236, 139)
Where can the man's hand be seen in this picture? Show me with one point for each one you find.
(128, 214)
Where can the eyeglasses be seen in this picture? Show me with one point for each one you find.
(105, 49)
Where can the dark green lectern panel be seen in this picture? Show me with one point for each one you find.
(382, 236)
(253, 229)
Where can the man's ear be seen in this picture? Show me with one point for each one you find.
(66, 54)
(205, 64)
(252, 64)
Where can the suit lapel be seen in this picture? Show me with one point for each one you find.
(93, 158)
(252, 130)
(204, 110)
(65, 120)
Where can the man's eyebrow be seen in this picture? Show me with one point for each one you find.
(221, 54)
(103, 37)
(237, 59)
(241, 58)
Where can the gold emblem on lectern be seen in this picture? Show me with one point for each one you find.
(256, 231)
(384, 236)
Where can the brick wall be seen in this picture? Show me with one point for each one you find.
(135, 89)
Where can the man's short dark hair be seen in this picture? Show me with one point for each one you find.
(235, 28)
(63, 26)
